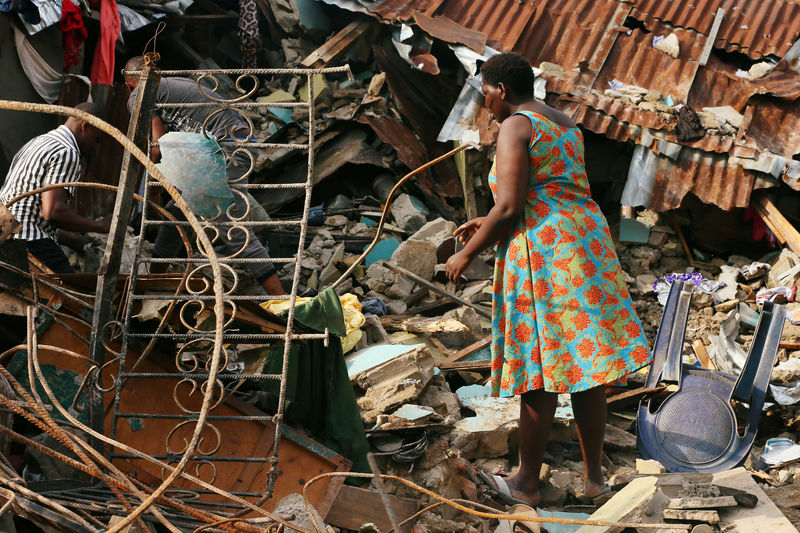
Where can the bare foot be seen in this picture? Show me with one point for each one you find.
(592, 489)
(531, 497)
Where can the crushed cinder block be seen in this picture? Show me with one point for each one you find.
(418, 257)
(390, 376)
(409, 212)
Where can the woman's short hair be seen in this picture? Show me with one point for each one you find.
(512, 70)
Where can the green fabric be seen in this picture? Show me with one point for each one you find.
(324, 310)
(319, 395)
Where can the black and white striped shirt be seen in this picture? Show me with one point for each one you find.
(47, 159)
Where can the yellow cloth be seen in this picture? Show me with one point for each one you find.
(351, 309)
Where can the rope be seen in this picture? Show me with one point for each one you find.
(480, 514)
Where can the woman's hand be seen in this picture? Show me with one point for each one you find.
(457, 265)
(465, 231)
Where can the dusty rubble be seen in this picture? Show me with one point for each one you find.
(420, 360)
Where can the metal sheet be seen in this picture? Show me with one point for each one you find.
(635, 61)
(774, 127)
(447, 30)
(708, 176)
(409, 149)
(754, 27)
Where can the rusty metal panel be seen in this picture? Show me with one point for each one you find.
(635, 61)
(708, 176)
(503, 21)
(774, 127)
(572, 33)
(754, 27)
(403, 10)
(622, 123)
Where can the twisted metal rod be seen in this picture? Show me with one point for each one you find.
(480, 514)
(388, 204)
(207, 250)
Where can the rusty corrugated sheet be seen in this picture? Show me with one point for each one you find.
(634, 60)
(717, 84)
(503, 21)
(403, 10)
(754, 27)
(706, 175)
(774, 127)
(587, 39)
(621, 122)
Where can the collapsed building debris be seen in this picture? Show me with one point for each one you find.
(244, 415)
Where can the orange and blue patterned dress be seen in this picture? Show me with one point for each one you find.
(562, 318)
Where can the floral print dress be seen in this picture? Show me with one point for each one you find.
(562, 318)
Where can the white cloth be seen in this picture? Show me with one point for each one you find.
(42, 76)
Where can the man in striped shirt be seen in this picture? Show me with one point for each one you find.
(50, 159)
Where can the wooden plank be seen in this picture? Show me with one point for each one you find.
(354, 507)
(339, 44)
(465, 365)
(790, 345)
(712, 37)
(632, 397)
(782, 228)
(418, 324)
(634, 494)
(464, 352)
(702, 355)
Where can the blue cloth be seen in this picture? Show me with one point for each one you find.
(374, 306)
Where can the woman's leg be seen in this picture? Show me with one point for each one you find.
(589, 407)
(537, 409)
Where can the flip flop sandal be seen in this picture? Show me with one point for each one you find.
(500, 487)
(515, 526)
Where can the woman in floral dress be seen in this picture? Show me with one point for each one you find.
(562, 318)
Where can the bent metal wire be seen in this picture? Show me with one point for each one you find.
(196, 338)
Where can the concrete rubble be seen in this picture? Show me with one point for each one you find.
(420, 368)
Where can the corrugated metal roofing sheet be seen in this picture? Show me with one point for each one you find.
(774, 127)
(634, 60)
(754, 27)
(588, 40)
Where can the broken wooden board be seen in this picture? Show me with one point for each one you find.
(465, 352)
(338, 45)
(782, 228)
(623, 503)
(765, 517)
(354, 507)
(631, 397)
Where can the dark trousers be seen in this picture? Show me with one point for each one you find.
(50, 253)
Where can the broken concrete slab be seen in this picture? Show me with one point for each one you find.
(397, 380)
(702, 503)
(418, 257)
(409, 212)
(435, 231)
(765, 517)
(487, 433)
(689, 515)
